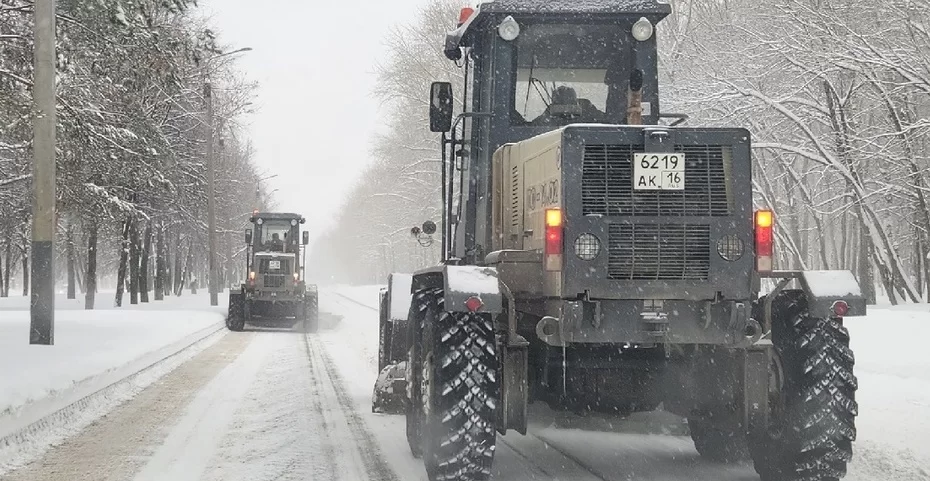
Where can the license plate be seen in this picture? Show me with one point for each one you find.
(274, 265)
(658, 171)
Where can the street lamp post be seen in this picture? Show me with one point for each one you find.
(211, 196)
(211, 175)
(42, 308)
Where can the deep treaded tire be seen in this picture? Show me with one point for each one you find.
(235, 316)
(814, 417)
(717, 444)
(311, 314)
(459, 391)
(421, 302)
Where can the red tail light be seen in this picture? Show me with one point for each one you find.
(765, 248)
(553, 251)
(473, 304)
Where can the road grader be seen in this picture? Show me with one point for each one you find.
(598, 255)
(275, 293)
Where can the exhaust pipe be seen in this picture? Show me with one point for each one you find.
(634, 111)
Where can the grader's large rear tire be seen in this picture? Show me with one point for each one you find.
(458, 391)
(421, 302)
(813, 402)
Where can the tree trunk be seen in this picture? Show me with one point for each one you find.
(91, 292)
(79, 273)
(8, 270)
(25, 272)
(918, 262)
(160, 262)
(866, 282)
(69, 253)
(189, 277)
(134, 262)
(144, 264)
(123, 260)
(178, 270)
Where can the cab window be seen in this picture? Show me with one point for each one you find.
(571, 74)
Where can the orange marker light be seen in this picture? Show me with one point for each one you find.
(765, 245)
(553, 241)
(553, 218)
(764, 218)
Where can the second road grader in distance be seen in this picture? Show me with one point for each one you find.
(602, 260)
(275, 292)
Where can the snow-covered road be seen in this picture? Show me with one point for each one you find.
(278, 405)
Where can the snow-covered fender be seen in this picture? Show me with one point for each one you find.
(461, 283)
(824, 288)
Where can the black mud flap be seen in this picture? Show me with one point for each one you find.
(390, 391)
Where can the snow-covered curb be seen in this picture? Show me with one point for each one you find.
(27, 433)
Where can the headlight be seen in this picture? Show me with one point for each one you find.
(509, 29)
(730, 247)
(260, 221)
(293, 221)
(642, 29)
(587, 247)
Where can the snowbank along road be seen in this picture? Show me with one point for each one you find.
(279, 405)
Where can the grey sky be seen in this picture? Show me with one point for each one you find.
(316, 115)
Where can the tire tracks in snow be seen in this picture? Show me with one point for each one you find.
(366, 447)
(543, 456)
(282, 428)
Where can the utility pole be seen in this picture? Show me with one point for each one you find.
(211, 194)
(211, 174)
(42, 309)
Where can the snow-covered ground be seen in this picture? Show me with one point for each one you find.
(88, 343)
(92, 350)
(892, 365)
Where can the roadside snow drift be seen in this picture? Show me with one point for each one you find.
(88, 344)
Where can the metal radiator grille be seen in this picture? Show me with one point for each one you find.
(658, 252)
(607, 183)
(273, 280)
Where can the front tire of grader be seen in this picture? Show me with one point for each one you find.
(812, 402)
(235, 317)
(458, 392)
(311, 322)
